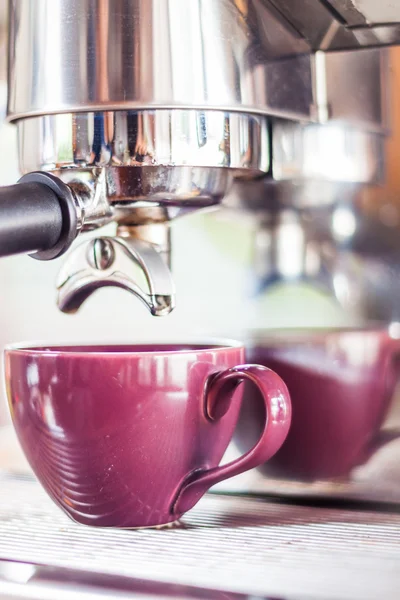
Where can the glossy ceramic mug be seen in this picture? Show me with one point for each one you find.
(341, 383)
(132, 436)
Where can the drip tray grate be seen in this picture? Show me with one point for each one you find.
(244, 545)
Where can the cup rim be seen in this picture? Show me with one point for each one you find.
(106, 348)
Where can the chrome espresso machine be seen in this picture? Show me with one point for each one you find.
(139, 112)
(132, 114)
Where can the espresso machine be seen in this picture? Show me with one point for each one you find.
(137, 113)
(132, 114)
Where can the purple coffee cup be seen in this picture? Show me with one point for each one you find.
(341, 383)
(132, 436)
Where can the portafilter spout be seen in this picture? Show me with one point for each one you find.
(109, 261)
(42, 215)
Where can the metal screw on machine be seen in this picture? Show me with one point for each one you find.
(100, 254)
(108, 261)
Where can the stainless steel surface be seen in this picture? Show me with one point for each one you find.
(89, 187)
(352, 88)
(110, 261)
(248, 546)
(343, 24)
(312, 165)
(216, 54)
(138, 54)
(24, 581)
(357, 87)
(307, 152)
(145, 138)
(136, 196)
(163, 157)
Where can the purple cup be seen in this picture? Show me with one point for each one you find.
(132, 436)
(341, 383)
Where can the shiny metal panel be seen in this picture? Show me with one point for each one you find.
(24, 581)
(358, 87)
(353, 88)
(181, 158)
(145, 138)
(308, 153)
(301, 173)
(343, 24)
(93, 55)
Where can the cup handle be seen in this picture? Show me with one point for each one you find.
(218, 394)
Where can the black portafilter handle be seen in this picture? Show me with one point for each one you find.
(38, 216)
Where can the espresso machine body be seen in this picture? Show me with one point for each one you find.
(138, 112)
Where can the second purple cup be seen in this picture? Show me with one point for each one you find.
(341, 384)
(132, 436)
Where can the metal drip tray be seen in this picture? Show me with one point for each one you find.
(232, 545)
